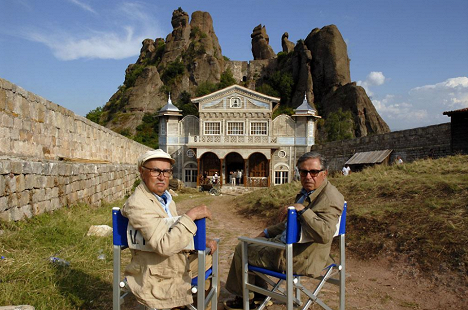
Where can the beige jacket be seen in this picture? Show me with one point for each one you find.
(159, 279)
(319, 222)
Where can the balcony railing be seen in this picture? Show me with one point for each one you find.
(232, 139)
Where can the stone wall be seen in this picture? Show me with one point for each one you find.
(432, 141)
(50, 157)
(30, 187)
(31, 126)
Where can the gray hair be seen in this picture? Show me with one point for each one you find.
(311, 155)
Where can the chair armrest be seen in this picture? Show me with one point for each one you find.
(263, 242)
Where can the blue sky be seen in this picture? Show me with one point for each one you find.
(410, 56)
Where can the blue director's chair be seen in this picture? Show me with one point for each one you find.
(291, 295)
(119, 238)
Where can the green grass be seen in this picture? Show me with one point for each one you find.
(27, 275)
(419, 209)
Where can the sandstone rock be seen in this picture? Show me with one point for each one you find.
(194, 43)
(287, 45)
(179, 40)
(100, 231)
(261, 48)
(330, 63)
(354, 98)
(301, 68)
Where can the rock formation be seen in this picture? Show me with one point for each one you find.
(302, 74)
(354, 98)
(287, 45)
(191, 55)
(330, 63)
(261, 48)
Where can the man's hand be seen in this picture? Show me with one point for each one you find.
(262, 234)
(199, 212)
(212, 244)
(283, 213)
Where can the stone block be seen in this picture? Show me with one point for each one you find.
(3, 203)
(5, 167)
(30, 181)
(38, 195)
(10, 183)
(39, 208)
(12, 201)
(23, 198)
(2, 185)
(20, 184)
(6, 120)
(3, 99)
(55, 204)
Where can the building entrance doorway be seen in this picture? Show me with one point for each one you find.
(209, 164)
(258, 170)
(235, 165)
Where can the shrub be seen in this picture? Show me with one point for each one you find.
(95, 115)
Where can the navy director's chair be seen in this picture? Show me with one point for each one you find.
(292, 294)
(119, 240)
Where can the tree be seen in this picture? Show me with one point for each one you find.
(339, 125)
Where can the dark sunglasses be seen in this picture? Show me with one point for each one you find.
(313, 173)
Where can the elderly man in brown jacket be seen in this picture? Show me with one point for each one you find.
(319, 206)
(160, 275)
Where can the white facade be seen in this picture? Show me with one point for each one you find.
(235, 132)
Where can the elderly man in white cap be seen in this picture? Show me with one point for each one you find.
(160, 275)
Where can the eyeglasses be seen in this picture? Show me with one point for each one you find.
(155, 172)
(313, 173)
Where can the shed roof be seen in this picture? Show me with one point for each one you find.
(372, 157)
(450, 113)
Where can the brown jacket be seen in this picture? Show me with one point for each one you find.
(319, 222)
(158, 279)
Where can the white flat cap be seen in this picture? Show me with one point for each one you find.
(154, 154)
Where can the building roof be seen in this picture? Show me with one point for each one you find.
(461, 111)
(169, 108)
(305, 109)
(372, 157)
(238, 88)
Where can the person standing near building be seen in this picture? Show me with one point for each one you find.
(346, 170)
(239, 177)
(233, 178)
(398, 160)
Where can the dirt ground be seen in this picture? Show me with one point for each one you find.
(382, 284)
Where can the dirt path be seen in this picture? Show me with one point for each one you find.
(369, 285)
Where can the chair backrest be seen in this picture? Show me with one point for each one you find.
(119, 228)
(120, 223)
(199, 239)
(341, 227)
(293, 228)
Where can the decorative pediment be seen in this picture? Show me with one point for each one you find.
(235, 97)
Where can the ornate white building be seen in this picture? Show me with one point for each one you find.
(235, 132)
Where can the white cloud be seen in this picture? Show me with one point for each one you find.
(424, 105)
(451, 94)
(119, 42)
(375, 78)
(84, 6)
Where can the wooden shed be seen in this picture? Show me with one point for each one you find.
(361, 160)
(459, 130)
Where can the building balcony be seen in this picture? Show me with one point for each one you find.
(199, 141)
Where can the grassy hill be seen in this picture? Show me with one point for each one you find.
(418, 209)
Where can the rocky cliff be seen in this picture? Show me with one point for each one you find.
(190, 58)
